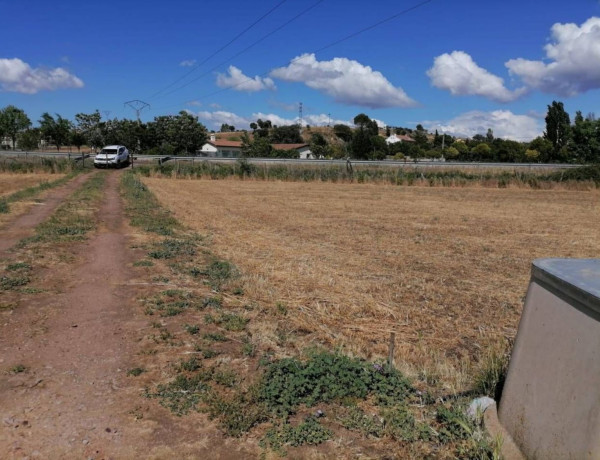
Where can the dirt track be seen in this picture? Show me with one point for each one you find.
(69, 402)
(75, 400)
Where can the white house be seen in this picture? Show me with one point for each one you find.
(221, 148)
(398, 138)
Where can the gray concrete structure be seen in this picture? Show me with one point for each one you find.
(550, 405)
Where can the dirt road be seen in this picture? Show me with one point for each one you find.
(75, 399)
(70, 401)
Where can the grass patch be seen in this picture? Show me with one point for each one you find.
(309, 431)
(143, 208)
(17, 369)
(171, 302)
(229, 321)
(215, 337)
(171, 248)
(74, 218)
(8, 283)
(143, 263)
(181, 395)
(490, 378)
(136, 371)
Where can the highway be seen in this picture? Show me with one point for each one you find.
(287, 161)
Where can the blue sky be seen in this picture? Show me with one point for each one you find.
(458, 66)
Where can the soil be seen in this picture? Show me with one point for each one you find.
(75, 399)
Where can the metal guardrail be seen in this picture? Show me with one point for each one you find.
(290, 161)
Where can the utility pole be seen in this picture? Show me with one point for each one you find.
(300, 114)
(137, 106)
(328, 120)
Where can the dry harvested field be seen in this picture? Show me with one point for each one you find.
(446, 269)
(10, 183)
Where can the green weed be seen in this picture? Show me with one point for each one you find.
(136, 371)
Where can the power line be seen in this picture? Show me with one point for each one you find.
(194, 68)
(337, 42)
(252, 45)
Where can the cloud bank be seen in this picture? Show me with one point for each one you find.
(235, 79)
(504, 123)
(346, 81)
(18, 76)
(459, 74)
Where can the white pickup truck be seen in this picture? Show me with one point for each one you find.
(112, 156)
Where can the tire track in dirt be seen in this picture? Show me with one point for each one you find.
(24, 225)
(72, 403)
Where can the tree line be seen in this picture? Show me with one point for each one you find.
(562, 141)
(165, 135)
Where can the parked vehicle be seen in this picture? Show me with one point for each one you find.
(113, 156)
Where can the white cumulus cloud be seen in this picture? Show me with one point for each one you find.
(504, 123)
(235, 79)
(574, 56)
(346, 81)
(18, 76)
(188, 63)
(459, 74)
(217, 118)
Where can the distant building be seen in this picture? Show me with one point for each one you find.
(398, 138)
(6, 143)
(220, 148)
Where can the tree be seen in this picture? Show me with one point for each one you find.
(543, 147)
(489, 137)
(56, 131)
(421, 139)
(90, 126)
(77, 139)
(286, 135)
(29, 139)
(585, 145)
(319, 146)
(170, 134)
(451, 153)
(227, 128)
(259, 147)
(12, 121)
(557, 126)
(379, 148)
(481, 152)
(343, 132)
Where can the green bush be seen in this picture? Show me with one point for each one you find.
(325, 377)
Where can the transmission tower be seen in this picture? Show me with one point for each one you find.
(137, 106)
(106, 114)
(300, 114)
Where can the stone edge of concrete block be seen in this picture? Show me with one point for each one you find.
(509, 450)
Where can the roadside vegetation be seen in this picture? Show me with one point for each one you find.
(203, 353)
(577, 178)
